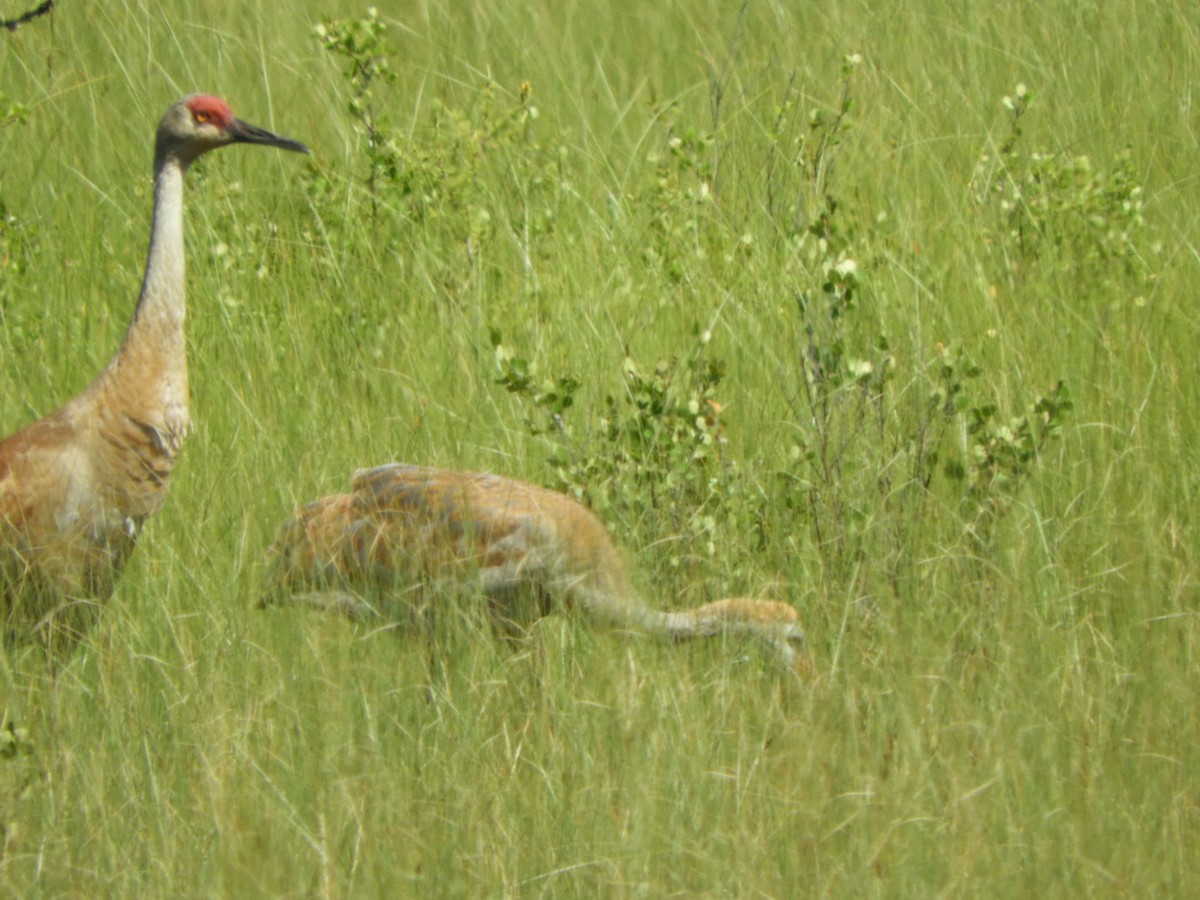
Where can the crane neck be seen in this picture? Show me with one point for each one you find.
(161, 307)
(149, 371)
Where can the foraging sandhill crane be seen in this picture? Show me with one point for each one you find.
(406, 535)
(77, 485)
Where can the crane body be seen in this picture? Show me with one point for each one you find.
(408, 537)
(77, 485)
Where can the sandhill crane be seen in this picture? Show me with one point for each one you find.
(407, 535)
(76, 486)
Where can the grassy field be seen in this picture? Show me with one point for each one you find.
(883, 313)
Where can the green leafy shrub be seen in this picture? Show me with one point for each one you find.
(655, 450)
(1061, 208)
(439, 173)
(874, 445)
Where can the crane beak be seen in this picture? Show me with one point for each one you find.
(244, 133)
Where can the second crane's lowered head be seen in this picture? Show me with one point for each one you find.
(198, 123)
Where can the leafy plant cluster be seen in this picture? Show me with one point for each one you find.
(656, 449)
(1054, 206)
(703, 210)
(1004, 454)
(873, 449)
(802, 154)
(680, 203)
(431, 175)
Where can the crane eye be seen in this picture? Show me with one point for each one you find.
(201, 117)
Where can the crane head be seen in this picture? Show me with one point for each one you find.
(198, 123)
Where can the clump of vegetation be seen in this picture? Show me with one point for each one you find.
(680, 200)
(432, 175)
(1054, 206)
(874, 444)
(802, 153)
(13, 738)
(1004, 453)
(655, 451)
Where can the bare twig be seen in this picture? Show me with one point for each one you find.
(28, 16)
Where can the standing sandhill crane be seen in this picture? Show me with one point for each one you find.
(406, 535)
(76, 486)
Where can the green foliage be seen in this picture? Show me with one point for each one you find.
(551, 397)
(432, 175)
(12, 113)
(17, 244)
(18, 776)
(802, 153)
(655, 452)
(864, 462)
(362, 44)
(1061, 208)
(679, 200)
(466, 173)
(13, 739)
(1003, 454)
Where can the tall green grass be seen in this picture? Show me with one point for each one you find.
(999, 706)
